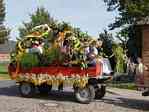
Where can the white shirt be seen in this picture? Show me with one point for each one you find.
(87, 50)
(95, 51)
(139, 69)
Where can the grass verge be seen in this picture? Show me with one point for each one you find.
(4, 72)
(130, 86)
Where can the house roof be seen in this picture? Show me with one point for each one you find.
(144, 21)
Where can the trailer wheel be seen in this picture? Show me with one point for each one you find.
(44, 88)
(26, 89)
(100, 92)
(85, 95)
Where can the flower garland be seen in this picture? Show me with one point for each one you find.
(38, 79)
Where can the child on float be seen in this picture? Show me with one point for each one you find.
(92, 53)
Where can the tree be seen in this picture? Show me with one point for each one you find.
(41, 16)
(107, 39)
(130, 11)
(3, 31)
(122, 36)
(130, 14)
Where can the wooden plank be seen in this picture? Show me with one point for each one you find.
(145, 53)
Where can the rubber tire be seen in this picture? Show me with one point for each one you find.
(89, 90)
(31, 91)
(44, 88)
(100, 92)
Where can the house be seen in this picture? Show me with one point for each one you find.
(142, 37)
(5, 50)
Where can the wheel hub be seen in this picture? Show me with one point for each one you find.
(84, 93)
(25, 88)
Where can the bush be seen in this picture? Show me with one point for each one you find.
(53, 55)
(123, 78)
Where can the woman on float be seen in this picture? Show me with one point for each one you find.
(96, 54)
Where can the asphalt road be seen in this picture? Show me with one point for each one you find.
(116, 100)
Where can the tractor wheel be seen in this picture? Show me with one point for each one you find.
(27, 89)
(44, 88)
(100, 92)
(85, 95)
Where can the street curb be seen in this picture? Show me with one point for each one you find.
(111, 92)
(1, 79)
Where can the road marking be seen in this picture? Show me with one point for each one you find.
(51, 104)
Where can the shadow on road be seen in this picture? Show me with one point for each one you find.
(65, 96)
(9, 91)
(13, 91)
(142, 105)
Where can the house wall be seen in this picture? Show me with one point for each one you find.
(145, 52)
(4, 57)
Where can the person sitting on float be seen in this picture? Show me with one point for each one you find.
(95, 57)
(65, 51)
(74, 44)
(37, 47)
(92, 53)
(103, 58)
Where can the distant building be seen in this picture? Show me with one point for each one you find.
(5, 50)
(4, 57)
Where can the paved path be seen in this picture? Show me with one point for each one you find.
(116, 100)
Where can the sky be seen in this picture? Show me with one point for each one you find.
(89, 15)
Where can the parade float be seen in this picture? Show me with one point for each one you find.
(43, 60)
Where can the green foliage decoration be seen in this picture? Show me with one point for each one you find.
(29, 60)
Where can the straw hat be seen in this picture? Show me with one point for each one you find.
(92, 41)
(85, 44)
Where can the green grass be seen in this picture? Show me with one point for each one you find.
(4, 71)
(130, 86)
